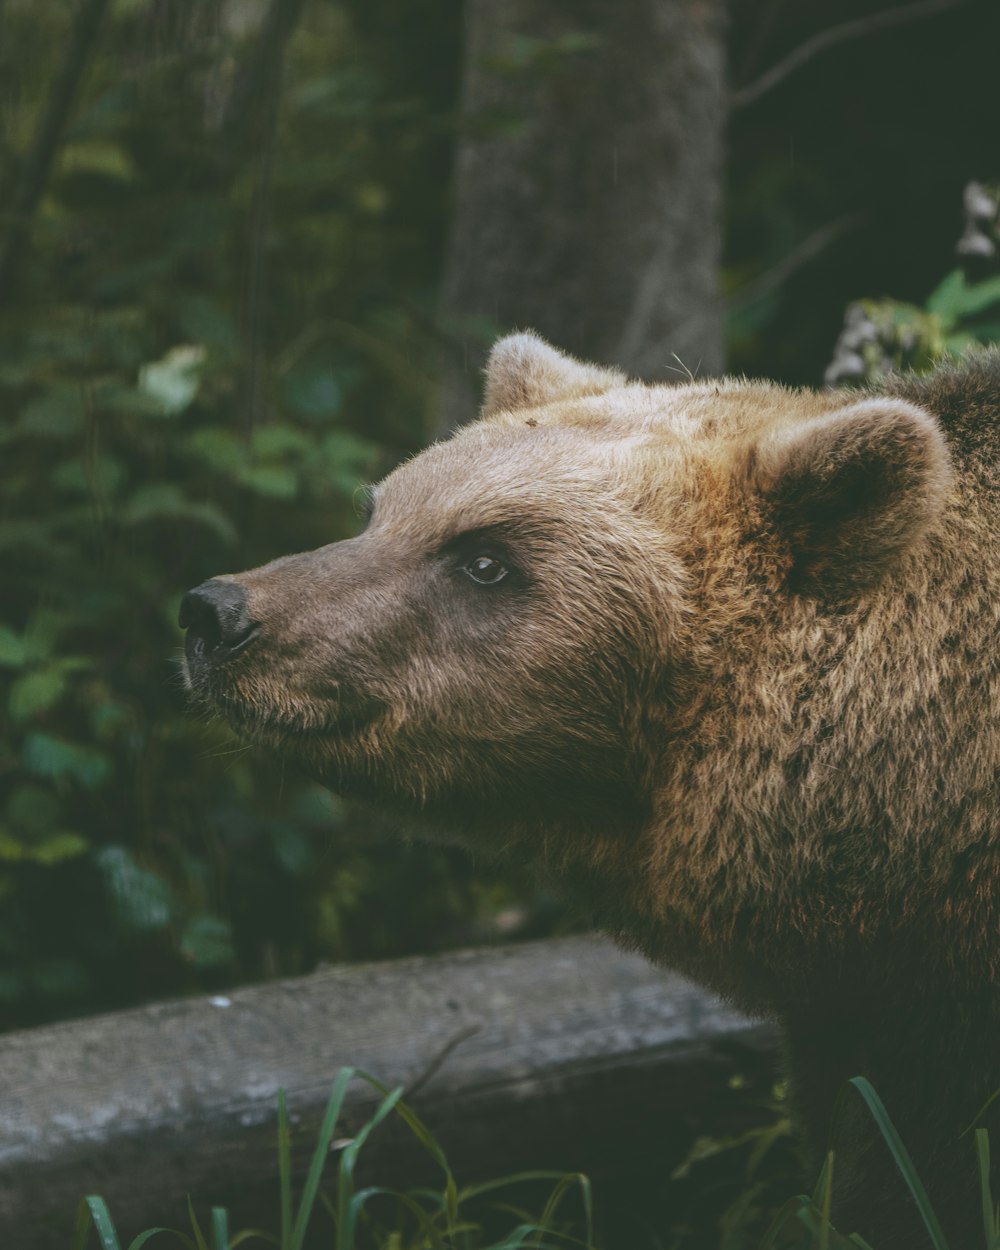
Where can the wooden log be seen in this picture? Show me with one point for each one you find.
(550, 1054)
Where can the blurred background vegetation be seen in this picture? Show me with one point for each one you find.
(222, 233)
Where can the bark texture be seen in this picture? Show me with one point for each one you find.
(587, 185)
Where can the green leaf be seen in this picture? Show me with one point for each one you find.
(32, 809)
(945, 300)
(11, 848)
(207, 941)
(35, 693)
(272, 442)
(61, 846)
(45, 755)
(143, 901)
(204, 320)
(220, 449)
(107, 159)
(38, 843)
(130, 401)
(41, 847)
(958, 343)
(313, 391)
(318, 808)
(955, 298)
(273, 480)
(57, 413)
(978, 296)
(173, 381)
(164, 501)
(345, 459)
(43, 632)
(102, 476)
(292, 850)
(12, 649)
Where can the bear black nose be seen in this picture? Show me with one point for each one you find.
(217, 619)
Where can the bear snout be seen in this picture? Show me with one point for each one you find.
(217, 618)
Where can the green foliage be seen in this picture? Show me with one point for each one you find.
(210, 329)
(451, 1216)
(374, 1218)
(962, 313)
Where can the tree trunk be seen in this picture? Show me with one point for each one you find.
(587, 186)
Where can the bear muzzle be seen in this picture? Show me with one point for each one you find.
(217, 618)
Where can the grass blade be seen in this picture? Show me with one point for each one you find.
(503, 1182)
(285, 1171)
(101, 1216)
(902, 1160)
(517, 1239)
(432, 1237)
(985, 1191)
(81, 1226)
(824, 1200)
(199, 1236)
(138, 1242)
(792, 1208)
(566, 1183)
(326, 1132)
(423, 1135)
(982, 1111)
(220, 1229)
(346, 1224)
(347, 1208)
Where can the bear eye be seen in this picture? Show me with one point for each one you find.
(485, 570)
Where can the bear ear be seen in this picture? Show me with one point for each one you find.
(850, 492)
(523, 371)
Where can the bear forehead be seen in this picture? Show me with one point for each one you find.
(570, 458)
(696, 413)
(486, 476)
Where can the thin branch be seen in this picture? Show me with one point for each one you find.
(45, 144)
(437, 1061)
(827, 39)
(800, 255)
(767, 15)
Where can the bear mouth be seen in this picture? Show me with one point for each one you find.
(292, 728)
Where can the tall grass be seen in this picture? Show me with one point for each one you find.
(446, 1218)
(450, 1217)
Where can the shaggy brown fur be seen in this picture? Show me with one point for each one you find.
(737, 687)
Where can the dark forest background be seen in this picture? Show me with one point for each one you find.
(225, 229)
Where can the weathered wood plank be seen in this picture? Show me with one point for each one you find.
(559, 1051)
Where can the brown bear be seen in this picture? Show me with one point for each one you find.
(723, 657)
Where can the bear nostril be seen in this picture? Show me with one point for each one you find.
(216, 616)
